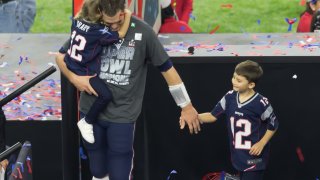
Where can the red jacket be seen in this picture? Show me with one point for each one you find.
(171, 25)
(305, 23)
(183, 9)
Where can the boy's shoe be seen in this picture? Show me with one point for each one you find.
(86, 130)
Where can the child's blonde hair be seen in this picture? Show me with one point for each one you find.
(90, 11)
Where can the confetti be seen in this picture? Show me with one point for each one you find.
(192, 16)
(294, 76)
(52, 53)
(303, 2)
(300, 154)
(182, 28)
(290, 22)
(227, 6)
(172, 173)
(214, 30)
(4, 64)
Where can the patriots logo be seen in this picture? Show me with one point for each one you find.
(118, 45)
(105, 30)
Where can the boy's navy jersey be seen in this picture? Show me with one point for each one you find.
(86, 44)
(247, 124)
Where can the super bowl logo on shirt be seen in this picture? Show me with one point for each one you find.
(131, 43)
(115, 64)
(118, 45)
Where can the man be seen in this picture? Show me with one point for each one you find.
(124, 68)
(17, 16)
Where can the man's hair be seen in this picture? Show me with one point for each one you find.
(111, 7)
(251, 70)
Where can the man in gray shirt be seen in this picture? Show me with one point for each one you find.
(124, 68)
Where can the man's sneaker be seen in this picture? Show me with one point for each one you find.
(86, 130)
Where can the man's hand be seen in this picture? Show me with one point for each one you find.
(257, 148)
(190, 116)
(82, 84)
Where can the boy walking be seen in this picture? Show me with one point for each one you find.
(251, 121)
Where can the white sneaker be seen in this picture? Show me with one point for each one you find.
(86, 130)
(104, 178)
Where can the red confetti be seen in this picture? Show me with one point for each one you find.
(229, 6)
(214, 30)
(303, 2)
(300, 154)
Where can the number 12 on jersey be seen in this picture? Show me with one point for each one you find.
(245, 125)
(81, 43)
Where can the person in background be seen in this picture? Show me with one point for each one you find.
(315, 23)
(17, 16)
(306, 16)
(169, 24)
(250, 119)
(183, 9)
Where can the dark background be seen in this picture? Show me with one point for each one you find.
(161, 147)
(295, 101)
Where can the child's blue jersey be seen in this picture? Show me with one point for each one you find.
(86, 44)
(247, 124)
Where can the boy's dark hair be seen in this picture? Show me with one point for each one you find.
(315, 22)
(251, 70)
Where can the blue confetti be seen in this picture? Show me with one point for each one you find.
(82, 155)
(192, 16)
(182, 28)
(171, 173)
(20, 60)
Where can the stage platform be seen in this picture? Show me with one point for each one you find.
(230, 45)
(22, 57)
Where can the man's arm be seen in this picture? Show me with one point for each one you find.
(188, 112)
(80, 82)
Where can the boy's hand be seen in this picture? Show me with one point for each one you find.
(257, 148)
(127, 12)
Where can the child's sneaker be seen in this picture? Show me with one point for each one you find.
(86, 130)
